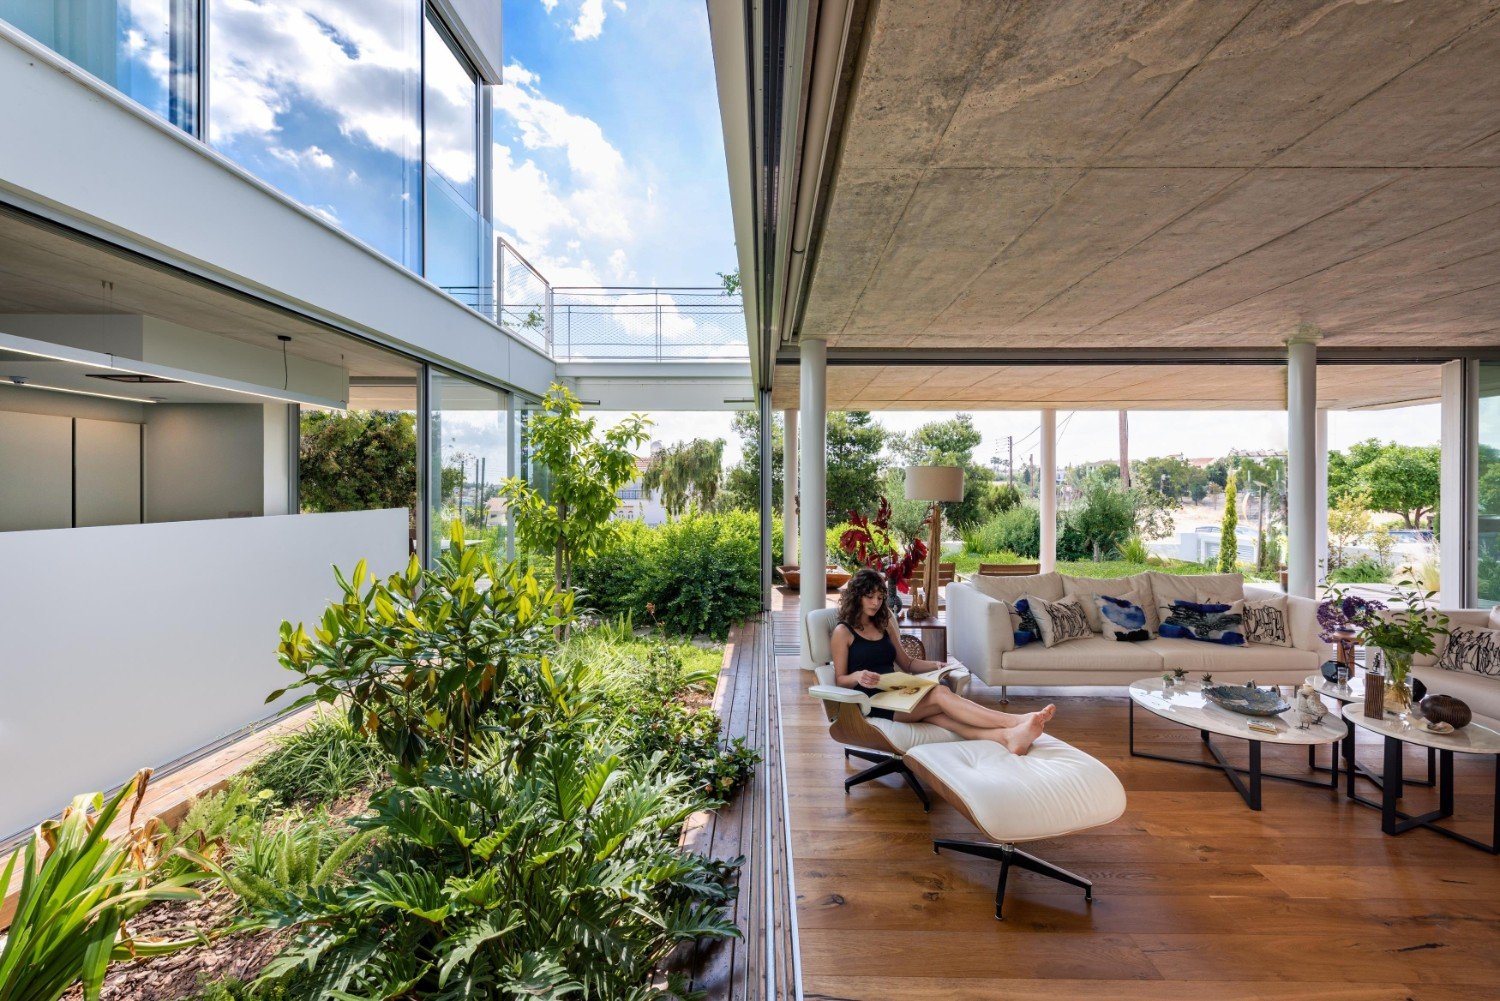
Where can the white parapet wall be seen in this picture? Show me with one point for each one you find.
(133, 645)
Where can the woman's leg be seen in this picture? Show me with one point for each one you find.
(950, 703)
(1016, 739)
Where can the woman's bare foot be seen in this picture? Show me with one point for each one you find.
(1046, 712)
(1019, 738)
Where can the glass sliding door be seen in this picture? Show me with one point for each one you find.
(468, 450)
(1487, 485)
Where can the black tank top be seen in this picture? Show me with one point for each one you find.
(871, 655)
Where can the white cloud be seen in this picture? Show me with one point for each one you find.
(311, 156)
(590, 22)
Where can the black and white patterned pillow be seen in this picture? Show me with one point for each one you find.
(1267, 621)
(1060, 621)
(1472, 649)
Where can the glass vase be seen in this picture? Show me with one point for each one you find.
(1398, 681)
(893, 597)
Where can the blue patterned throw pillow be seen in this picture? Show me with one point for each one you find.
(1026, 624)
(1123, 618)
(1208, 623)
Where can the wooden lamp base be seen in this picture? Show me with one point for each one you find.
(925, 607)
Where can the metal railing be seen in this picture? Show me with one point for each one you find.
(523, 299)
(646, 323)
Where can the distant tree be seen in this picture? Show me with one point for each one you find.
(731, 281)
(1171, 475)
(742, 482)
(585, 469)
(951, 443)
(686, 473)
(358, 461)
(1229, 545)
(1348, 522)
(1400, 479)
(1103, 518)
(855, 441)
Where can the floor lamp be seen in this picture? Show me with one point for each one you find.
(936, 484)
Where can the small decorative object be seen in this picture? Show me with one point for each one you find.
(1208, 679)
(1330, 670)
(1246, 700)
(1374, 693)
(1446, 709)
(1310, 708)
(1340, 611)
(893, 595)
(1167, 679)
(1431, 727)
(1179, 673)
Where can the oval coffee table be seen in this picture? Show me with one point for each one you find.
(1354, 693)
(1481, 736)
(1184, 704)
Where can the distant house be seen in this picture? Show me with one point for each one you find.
(636, 503)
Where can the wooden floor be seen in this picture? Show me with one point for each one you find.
(1196, 897)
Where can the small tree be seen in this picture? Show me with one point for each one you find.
(1348, 522)
(1105, 518)
(584, 471)
(1229, 549)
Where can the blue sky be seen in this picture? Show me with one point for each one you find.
(609, 161)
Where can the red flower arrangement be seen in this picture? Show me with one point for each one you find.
(869, 542)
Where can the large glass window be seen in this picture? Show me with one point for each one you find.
(144, 48)
(1487, 493)
(456, 229)
(323, 102)
(468, 451)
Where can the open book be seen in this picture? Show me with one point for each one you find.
(900, 692)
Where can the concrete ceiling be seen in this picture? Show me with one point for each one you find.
(44, 270)
(1140, 175)
(1107, 387)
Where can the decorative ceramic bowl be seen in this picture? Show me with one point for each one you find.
(1446, 709)
(1246, 700)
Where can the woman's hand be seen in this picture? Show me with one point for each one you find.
(868, 679)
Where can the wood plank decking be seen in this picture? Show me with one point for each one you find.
(1197, 898)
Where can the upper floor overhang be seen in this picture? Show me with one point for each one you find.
(941, 179)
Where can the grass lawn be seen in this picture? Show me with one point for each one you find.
(968, 563)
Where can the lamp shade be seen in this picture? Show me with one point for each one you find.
(934, 483)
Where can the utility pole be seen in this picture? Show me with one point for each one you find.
(1124, 450)
(1010, 458)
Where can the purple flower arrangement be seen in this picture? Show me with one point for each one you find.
(1336, 612)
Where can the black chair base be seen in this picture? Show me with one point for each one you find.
(1010, 855)
(885, 764)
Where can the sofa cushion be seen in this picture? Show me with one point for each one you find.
(1207, 587)
(1087, 588)
(1059, 621)
(1094, 653)
(1253, 661)
(1476, 651)
(1267, 620)
(905, 736)
(1012, 589)
(1054, 789)
(1207, 623)
(1123, 618)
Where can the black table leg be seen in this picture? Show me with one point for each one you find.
(1394, 822)
(1391, 789)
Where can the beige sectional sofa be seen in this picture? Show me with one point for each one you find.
(1480, 692)
(981, 634)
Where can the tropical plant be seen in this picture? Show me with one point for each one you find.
(358, 460)
(1362, 570)
(558, 878)
(869, 541)
(1229, 543)
(1135, 550)
(79, 889)
(214, 825)
(300, 856)
(324, 760)
(584, 470)
(686, 473)
(419, 659)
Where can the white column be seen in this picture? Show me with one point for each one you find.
(1458, 514)
(1302, 465)
(814, 476)
(1047, 491)
(1321, 489)
(789, 542)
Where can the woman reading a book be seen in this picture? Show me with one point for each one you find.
(867, 645)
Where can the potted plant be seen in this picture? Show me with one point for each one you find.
(872, 544)
(1399, 633)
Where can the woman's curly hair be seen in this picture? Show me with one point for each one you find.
(864, 582)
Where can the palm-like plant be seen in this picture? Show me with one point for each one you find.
(78, 890)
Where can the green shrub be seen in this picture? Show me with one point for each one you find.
(1017, 530)
(277, 866)
(322, 762)
(558, 878)
(1364, 570)
(216, 823)
(235, 989)
(608, 581)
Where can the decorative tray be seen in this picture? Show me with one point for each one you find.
(1247, 700)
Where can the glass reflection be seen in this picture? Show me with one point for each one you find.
(1487, 493)
(322, 101)
(469, 442)
(457, 233)
(143, 48)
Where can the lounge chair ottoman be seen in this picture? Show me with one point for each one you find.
(1054, 790)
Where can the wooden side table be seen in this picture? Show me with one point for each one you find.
(933, 631)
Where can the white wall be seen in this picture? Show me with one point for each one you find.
(204, 460)
(107, 473)
(36, 471)
(134, 645)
